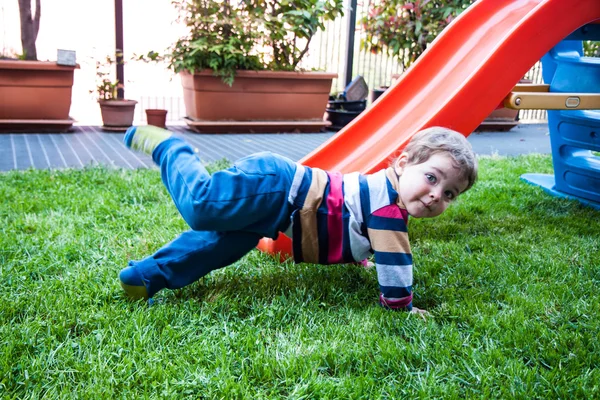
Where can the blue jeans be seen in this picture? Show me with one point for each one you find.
(229, 212)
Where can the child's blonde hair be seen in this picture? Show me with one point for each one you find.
(438, 139)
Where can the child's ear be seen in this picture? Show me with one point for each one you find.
(400, 163)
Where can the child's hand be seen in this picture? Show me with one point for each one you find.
(368, 264)
(420, 312)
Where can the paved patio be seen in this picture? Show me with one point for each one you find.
(89, 145)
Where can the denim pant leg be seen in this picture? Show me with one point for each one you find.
(191, 256)
(250, 196)
(229, 212)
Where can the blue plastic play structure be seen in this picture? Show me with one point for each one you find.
(574, 134)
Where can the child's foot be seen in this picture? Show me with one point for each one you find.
(132, 283)
(145, 138)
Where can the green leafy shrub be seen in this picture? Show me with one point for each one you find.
(591, 48)
(227, 36)
(403, 29)
(106, 87)
(224, 44)
(289, 27)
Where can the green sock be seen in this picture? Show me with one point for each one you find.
(147, 138)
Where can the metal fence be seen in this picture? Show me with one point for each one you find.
(535, 76)
(174, 106)
(329, 49)
(377, 69)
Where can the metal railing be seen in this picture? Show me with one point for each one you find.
(535, 76)
(174, 106)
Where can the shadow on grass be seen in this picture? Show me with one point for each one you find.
(259, 280)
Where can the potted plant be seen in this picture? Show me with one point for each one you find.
(403, 29)
(502, 119)
(156, 117)
(245, 65)
(340, 111)
(34, 95)
(117, 114)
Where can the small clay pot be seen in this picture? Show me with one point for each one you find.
(156, 117)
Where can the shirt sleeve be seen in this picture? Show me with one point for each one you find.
(388, 235)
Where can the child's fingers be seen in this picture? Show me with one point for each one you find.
(420, 312)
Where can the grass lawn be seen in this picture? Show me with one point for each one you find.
(510, 275)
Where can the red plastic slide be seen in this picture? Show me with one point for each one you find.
(462, 77)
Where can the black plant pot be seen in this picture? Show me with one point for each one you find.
(358, 105)
(339, 118)
(340, 112)
(375, 93)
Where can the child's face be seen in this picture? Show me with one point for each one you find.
(427, 189)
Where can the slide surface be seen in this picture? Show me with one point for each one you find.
(462, 77)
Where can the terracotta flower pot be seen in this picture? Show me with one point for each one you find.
(35, 95)
(117, 114)
(257, 95)
(501, 119)
(156, 117)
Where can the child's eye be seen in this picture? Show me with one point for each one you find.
(449, 194)
(431, 178)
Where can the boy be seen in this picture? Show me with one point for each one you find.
(331, 218)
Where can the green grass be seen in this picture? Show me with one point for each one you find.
(510, 275)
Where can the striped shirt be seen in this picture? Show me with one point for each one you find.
(347, 218)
